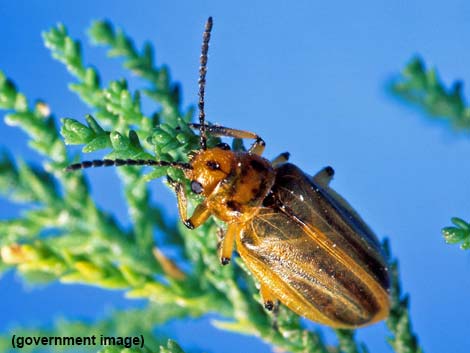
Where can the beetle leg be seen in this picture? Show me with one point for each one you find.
(220, 238)
(269, 300)
(256, 148)
(276, 315)
(270, 303)
(200, 214)
(282, 158)
(324, 176)
(226, 245)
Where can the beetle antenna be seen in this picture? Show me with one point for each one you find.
(126, 162)
(202, 82)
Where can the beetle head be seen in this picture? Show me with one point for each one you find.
(209, 168)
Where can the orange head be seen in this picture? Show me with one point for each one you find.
(209, 168)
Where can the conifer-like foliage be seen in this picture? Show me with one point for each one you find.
(424, 89)
(89, 246)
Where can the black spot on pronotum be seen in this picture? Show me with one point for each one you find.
(257, 166)
(196, 187)
(244, 172)
(234, 206)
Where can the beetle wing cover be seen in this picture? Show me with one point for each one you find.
(316, 255)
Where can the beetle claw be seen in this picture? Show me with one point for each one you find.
(189, 224)
(269, 305)
(329, 171)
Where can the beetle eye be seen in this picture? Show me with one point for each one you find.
(223, 146)
(196, 187)
(212, 165)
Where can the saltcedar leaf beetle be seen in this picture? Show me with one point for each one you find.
(302, 241)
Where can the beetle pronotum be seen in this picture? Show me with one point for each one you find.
(303, 242)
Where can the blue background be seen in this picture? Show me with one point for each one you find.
(310, 79)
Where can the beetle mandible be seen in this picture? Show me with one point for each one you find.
(306, 246)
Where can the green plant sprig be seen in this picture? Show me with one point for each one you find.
(423, 88)
(87, 233)
(403, 339)
(162, 90)
(458, 234)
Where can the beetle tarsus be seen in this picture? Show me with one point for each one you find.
(188, 224)
(282, 158)
(324, 176)
(269, 305)
(225, 261)
(329, 171)
(275, 311)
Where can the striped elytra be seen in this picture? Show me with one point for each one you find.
(316, 254)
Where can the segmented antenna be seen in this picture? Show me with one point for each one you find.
(202, 82)
(126, 162)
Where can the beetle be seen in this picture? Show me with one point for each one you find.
(306, 246)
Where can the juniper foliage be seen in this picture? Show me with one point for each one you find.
(424, 89)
